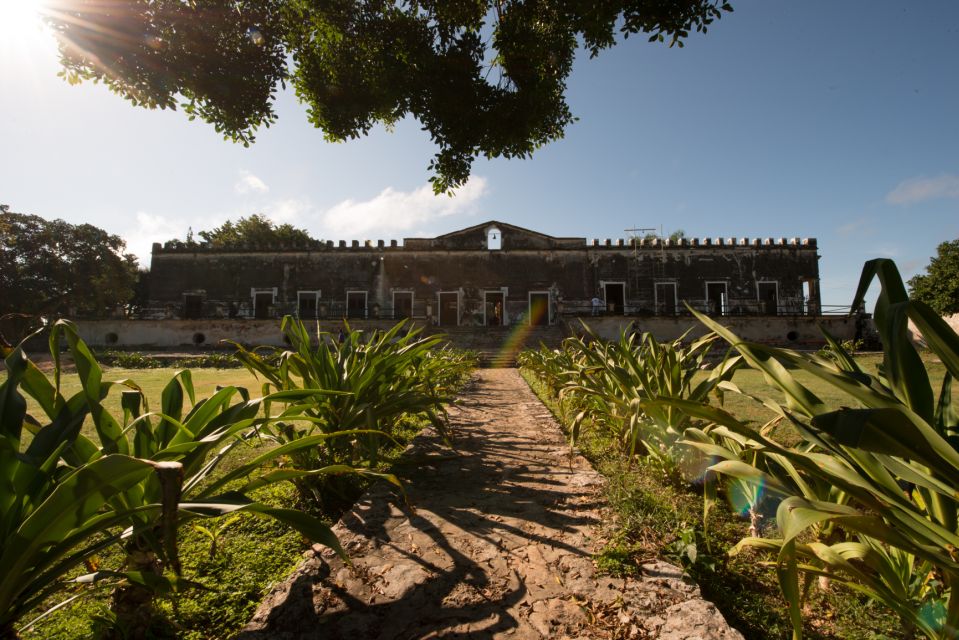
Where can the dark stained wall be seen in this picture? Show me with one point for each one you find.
(572, 275)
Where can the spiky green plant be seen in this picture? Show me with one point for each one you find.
(890, 452)
(373, 381)
(134, 482)
(610, 383)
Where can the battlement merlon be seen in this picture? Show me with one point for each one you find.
(432, 244)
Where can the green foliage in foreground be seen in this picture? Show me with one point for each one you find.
(609, 384)
(867, 497)
(373, 382)
(654, 516)
(66, 496)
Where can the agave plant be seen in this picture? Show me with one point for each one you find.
(891, 456)
(168, 459)
(372, 382)
(614, 381)
(53, 517)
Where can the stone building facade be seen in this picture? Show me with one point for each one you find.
(489, 274)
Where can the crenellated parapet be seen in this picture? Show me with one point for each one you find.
(428, 244)
(703, 243)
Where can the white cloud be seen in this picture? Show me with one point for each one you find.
(150, 228)
(389, 212)
(291, 210)
(919, 189)
(861, 226)
(399, 211)
(249, 183)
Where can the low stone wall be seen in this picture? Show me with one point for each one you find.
(792, 331)
(169, 334)
(796, 331)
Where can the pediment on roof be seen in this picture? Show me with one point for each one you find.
(475, 238)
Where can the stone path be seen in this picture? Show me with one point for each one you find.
(499, 545)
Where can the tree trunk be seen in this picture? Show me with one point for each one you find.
(133, 603)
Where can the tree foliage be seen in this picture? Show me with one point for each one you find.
(483, 77)
(54, 267)
(939, 286)
(255, 230)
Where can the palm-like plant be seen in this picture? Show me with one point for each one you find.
(372, 382)
(892, 456)
(612, 383)
(134, 483)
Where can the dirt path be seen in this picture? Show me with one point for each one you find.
(499, 545)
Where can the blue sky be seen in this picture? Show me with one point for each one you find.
(827, 119)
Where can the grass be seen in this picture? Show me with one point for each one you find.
(752, 381)
(252, 553)
(657, 517)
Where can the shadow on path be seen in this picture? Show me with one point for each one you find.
(499, 542)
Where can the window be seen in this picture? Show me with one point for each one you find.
(539, 308)
(767, 292)
(494, 239)
(614, 295)
(402, 304)
(263, 301)
(664, 294)
(717, 298)
(306, 304)
(449, 308)
(355, 304)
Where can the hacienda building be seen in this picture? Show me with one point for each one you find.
(490, 274)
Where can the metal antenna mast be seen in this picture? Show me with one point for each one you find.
(634, 233)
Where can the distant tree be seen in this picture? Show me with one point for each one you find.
(483, 77)
(54, 267)
(939, 286)
(675, 235)
(255, 230)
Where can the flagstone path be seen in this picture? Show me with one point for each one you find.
(498, 544)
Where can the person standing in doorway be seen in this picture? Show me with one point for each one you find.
(498, 313)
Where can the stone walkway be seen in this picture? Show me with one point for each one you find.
(499, 545)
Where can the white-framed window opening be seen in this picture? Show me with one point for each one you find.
(263, 299)
(767, 293)
(402, 304)
(307, 303)
(717, 297)
(356, 304)
(448, 308)
(614, 296)
(492, 297)
(665, 298)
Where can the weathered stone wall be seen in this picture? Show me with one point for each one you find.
(798, 332)
(572, 276)
(170, 334)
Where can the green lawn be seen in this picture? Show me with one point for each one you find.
(753, 382)
(152, 381)
(251, 553)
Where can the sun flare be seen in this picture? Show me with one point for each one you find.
(20, 23)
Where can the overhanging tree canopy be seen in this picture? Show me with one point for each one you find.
(483, 77)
